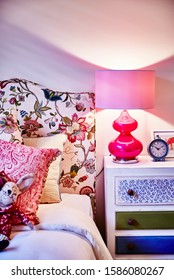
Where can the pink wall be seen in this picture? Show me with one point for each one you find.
(61, 43)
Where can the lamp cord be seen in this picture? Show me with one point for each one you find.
(100, 172)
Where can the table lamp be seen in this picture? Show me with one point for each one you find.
(125, 89)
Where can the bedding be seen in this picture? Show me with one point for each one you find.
(60, 200)
(61, 225)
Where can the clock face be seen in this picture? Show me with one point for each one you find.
(158, 149)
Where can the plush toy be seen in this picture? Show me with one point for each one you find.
(9, 192)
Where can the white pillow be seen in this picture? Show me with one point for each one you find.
(51, 192)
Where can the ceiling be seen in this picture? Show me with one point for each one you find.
(107, 33)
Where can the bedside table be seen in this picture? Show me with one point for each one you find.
(139, 208)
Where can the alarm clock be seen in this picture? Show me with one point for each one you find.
(158, 149)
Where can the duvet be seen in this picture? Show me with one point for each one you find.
(66, 232)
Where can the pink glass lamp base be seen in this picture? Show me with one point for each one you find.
(125, 148)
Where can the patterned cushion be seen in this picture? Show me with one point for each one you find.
(17, 160)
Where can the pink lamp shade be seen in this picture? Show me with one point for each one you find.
(125, 89)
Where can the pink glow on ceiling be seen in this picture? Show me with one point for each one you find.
(111, 34)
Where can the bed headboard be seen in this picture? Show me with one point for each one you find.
(42, 112)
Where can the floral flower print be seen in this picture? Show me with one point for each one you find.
(83, 178)
(80, 107)
(86, 190)
(67, 182)
(75, 128)
(51, 121)
(92, 147)
(21, 98)
(30, 126)
(7, 124)
(12, 100)
(90, 165)
(2, 93)
(13, 88)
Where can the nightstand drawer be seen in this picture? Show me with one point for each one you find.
(144, 190)
(144, 220)
(145, 245)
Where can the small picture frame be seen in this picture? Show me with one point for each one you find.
(168, 136)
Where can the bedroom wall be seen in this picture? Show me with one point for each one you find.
(60, 44)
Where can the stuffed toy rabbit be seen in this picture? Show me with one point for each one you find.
(9, 192)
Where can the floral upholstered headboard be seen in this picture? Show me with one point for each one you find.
(43, 112)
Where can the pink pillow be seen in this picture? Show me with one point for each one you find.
(17, 160)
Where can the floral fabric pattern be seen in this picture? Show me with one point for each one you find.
(9, 130)
(43, 112)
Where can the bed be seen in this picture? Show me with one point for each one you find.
(51, 134)
(58, 235)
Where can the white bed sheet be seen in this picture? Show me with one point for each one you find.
(66, 231)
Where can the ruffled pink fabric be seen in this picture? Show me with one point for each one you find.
(17, 160)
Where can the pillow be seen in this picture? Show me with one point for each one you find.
(9, 130)
(51, 191)
(17, 160)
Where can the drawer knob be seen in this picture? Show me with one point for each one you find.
(132, 222)
(130, 192)
(131, 246)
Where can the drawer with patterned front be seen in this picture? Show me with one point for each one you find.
(144, 220)
(144, 190)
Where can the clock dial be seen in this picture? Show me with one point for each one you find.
(158, 149)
